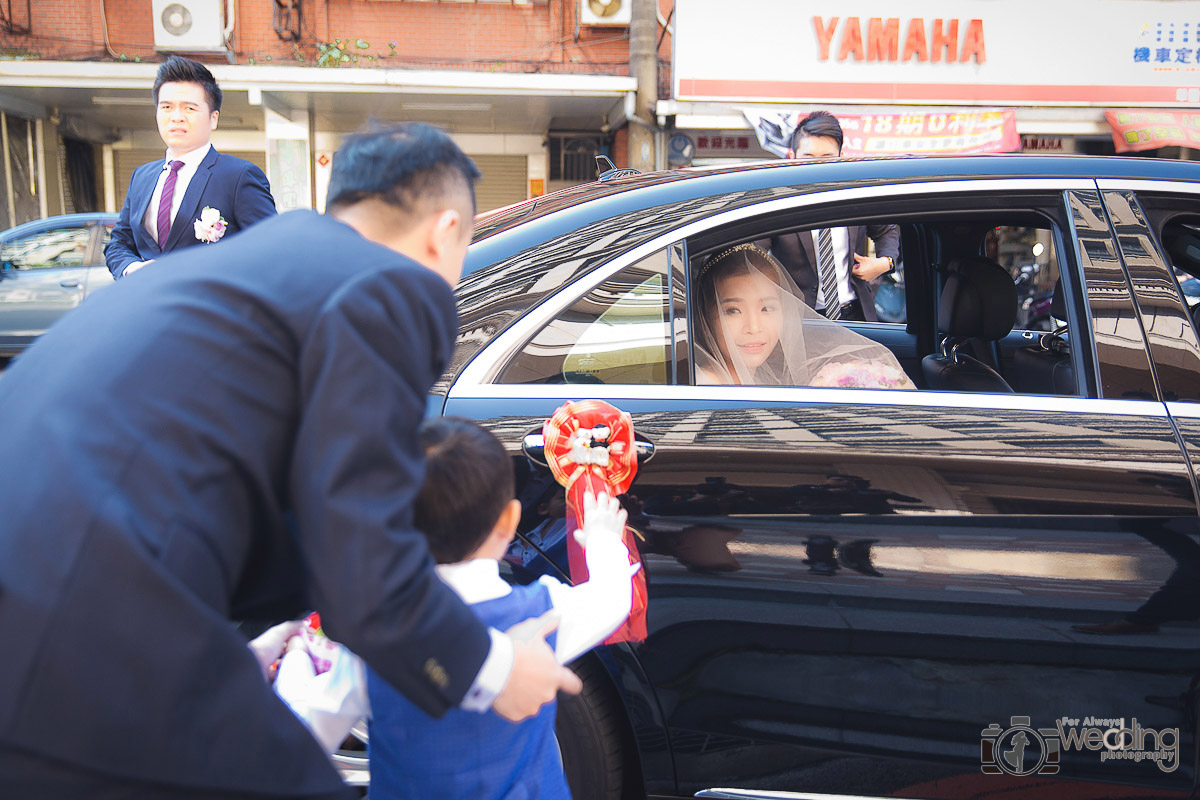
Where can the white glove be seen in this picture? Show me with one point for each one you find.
(602, 517)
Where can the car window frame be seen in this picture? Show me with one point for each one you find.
(1147, 198)
(490, 361)
(95, 252)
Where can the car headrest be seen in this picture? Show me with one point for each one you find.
(979, 299)
(1058, 303)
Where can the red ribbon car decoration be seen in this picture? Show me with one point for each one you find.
(589, 447)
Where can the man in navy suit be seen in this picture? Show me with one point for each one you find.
(166, 198)
(851, 270)
(240, 442)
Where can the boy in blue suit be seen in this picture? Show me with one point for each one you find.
(167, 198)
(468, 515)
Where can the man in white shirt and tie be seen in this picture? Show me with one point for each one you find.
(195, 195)
(826, 260)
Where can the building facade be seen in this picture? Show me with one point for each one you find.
(531, 89)
(1066, 76)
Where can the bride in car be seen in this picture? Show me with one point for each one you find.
(753, 329)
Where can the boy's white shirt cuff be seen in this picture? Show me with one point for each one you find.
(493, 675)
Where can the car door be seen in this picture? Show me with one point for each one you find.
(43, 276)
(850, 587)
(935, 552)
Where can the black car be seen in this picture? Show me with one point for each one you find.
(988, 585)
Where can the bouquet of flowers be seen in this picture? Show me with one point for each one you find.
(861, 375)
(323, 683)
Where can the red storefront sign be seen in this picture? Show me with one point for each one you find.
(930, 133)
(1134, 129)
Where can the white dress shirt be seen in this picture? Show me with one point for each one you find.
(590, 611)
(841, 258)
(191, 162)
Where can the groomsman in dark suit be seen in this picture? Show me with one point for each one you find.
(167, 198)
(234, 435)
(826, 260)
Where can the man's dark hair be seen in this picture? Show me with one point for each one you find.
(818, 123)
(177, 69)
(468, 482)
(403, 165)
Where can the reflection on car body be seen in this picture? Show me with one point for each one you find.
(847, 586)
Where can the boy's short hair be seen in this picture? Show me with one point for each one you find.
(177, 69)
(408, 166)
(468, 483)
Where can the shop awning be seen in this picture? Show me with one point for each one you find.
(920, 133)
(1134, 129)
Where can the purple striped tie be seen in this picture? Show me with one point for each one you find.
(164, 205)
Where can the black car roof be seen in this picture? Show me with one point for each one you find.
(578, 205)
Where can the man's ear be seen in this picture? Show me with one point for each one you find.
(446, 231)
(212, 118)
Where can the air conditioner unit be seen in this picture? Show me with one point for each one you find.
(191, 26)
(605, 12)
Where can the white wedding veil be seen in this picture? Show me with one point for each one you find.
(752, 328)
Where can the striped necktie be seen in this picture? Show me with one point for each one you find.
(828, 275)
(164, 204)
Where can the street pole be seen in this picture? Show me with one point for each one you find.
(643, 65)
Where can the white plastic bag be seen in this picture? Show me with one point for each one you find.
(329, 702)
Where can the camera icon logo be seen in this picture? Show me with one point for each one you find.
(1019, 749)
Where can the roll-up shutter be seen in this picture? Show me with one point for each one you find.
(503, 181)
(126, 161)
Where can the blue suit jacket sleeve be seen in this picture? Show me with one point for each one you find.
(356, 469)
(252, 199)
(122, 250)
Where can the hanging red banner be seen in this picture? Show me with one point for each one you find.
(1137, 129)
(930, 133)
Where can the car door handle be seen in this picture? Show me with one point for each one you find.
(69, 283)
(534, 448)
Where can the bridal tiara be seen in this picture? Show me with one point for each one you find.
(737, 248)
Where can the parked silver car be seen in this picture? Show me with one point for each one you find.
(47, 267)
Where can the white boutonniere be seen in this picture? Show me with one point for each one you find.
(211, 225)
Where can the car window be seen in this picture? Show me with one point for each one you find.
(50, 249)
(1181, 240)
(617, 333)
(886, 291)
(971, 305)
(1029, 256)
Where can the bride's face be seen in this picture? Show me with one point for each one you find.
(749, 314)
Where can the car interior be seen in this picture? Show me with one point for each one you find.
(978, 302)
(984, 305)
